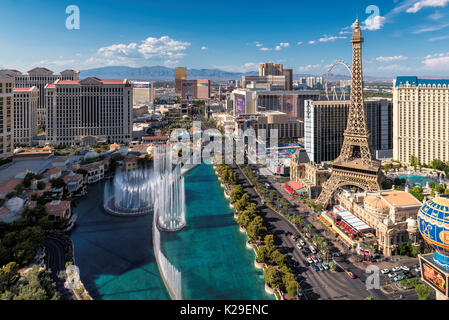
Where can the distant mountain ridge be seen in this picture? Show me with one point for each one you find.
(161, 73)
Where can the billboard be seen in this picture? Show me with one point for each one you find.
(141, 85)
(239, 105)
(434, 277)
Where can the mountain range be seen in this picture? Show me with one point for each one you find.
(161, 73)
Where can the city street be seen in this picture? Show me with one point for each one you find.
(56, 262)
(321, 285)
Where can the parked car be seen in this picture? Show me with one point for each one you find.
(398, 278)
(302, 243)
(417, 269)
(396, 269)
(325, 266)
(405, 268)
(312, 249)
(392, 275)
(298, 246)
(385, 271)
(315, 267)
(315, 260)
(351, 275)
(319, 259)
(309, 260)
(320, 267)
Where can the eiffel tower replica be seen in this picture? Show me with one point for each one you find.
(355, 166)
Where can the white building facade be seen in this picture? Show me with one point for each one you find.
(25, 115)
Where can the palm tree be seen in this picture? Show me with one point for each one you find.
(309, 228)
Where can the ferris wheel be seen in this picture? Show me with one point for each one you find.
(334, 92)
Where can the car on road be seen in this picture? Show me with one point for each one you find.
(315, 267)
(315, 260)
(309, 260)
(405, 268)
(398, 278)
(351, 275)
(325, 266)
(385, 271)
(392, 275)
(298, 246)
(396, 269)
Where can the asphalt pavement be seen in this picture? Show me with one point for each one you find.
(316, 285)
(56, 263)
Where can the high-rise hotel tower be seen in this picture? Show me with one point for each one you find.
(421, 118)
(83, 112)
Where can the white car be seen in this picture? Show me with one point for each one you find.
(395, 269)
(309, 260)
(385, 271)
(405, 268)
(392, 275)
(418, 269)
(302, 242)
(298, 246)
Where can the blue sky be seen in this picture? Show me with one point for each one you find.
(406, 37)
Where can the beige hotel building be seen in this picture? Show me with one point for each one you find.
(25, 114)
(6, 116)
(421, 118)
(40, 77)
(89, 111)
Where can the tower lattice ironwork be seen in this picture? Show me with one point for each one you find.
(355, 166)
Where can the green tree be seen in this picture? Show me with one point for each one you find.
(35, 285)
(41, 185)
(423, 291)
(241, 204)
(236, 194)
(369, 298)
(9, 275)
(309, 228)
(417, 192)
(256, 229)
(278, 258)
(273, 277)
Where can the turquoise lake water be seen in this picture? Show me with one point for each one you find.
(116, 260)
(417, 179)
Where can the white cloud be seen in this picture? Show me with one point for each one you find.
(284, 44)
(299, 43)
(309, 67)
(427, 3)
(439, 38)
(439, 61)
(163, 47)
(278, 48)
(390, 59)
(249, 66)
(374, 23)
(332, 38)
(394, 67)
(204, 48)
(423, 29)
(259, 44)
(264, 49)
(436, 16)
(312, 42)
